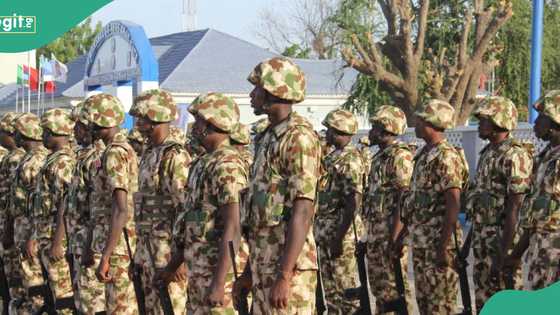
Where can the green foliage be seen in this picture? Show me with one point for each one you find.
(73, 43)
(296, 51)
(366, 95)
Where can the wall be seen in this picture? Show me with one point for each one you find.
(9, 62)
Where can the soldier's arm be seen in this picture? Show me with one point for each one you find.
(522, 245)
(453, 205)
(119, 217)
(513, 204)
(352, 202)
(230, 215)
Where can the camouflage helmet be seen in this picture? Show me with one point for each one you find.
(364, 141)
(104, 110)
(135, 135)
(391, 118)
(29, 125)
(341, 120)
(549, 105)
(80, 114)
(58, 121)
(260, 126)
(500, 110)
(280, 77)
(177, 134)
(217, 109)
(136, 110)
(7, 122)
(156, 105)
(240, 134)
(438, 113)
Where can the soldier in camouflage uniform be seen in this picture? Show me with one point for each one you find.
(137, 141)
(8, 166)
(212, 207)
(163, 174)
(29, 136)
(48, 239)
(539, 226)
(367, 157)
(89, 292)
(282, 196)
(501, 182)
(340, 193)
(431, 210)
(389, 181)
(112, 206)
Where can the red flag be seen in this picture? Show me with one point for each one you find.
(33, 79)
(49, 87)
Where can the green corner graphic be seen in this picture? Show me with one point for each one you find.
(26, 25)
(510, 302)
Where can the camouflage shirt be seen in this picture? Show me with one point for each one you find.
(343, 176)
(391, 171)
(287, 167)
(52, 184)
(542, 209)
(219, 183)
(78, 212)
(436, 170)
(8, 166)
(24, 185)
(502, 169)
(163, 173)
(117, 169)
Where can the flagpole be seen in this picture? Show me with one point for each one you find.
(29, 82)
(17, 97)
(39, 84)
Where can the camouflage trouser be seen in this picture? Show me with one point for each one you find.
(436, 291)
(177, 291)
(301, 301)
(31, 277)
(544, 268)
(199, 284)
(13, 274)
(59, 277)
(338, 275)
(89, 292)
(382, 276)
(484, 252)
(119, 293)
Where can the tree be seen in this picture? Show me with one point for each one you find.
(305, 28)
(413, 60)
(73, 43)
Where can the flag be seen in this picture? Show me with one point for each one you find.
(49, 87)
(46, 69)
(20, 80)
(25, 74)
(59, 70)
(33, 76)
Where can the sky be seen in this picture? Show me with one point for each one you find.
(161, 17)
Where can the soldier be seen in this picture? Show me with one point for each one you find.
(212, 216)
(501, 182)
(163, 174)
(282, 192)
(48, 238)
(240, 139)
(112, 208)
(29, 136)
(367, 156)
(8, 166)
(539, 224)
(340, 194)
(432, 208)
(389, 182)
(89, 292)
(136, 140)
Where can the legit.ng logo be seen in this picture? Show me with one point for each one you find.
(18, 24)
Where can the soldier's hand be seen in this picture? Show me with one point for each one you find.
(216, 295)
(162, 277)
(241, 286)
(511, 263)
(87, 259)
(336, 249)
(102, 272)
(442, 260)
(56, 252)
(31, 248)
(181, 274)
(280, 292)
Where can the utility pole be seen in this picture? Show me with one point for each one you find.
(189, 15)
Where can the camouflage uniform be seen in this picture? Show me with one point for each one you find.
(24, 183)
(541, 216)
(117, 169)
(437, 169)
(286, 167)
(503, 169)
(389, 178)
(8, 166)
(137, 140)
(367, 157)
(343, 177)
(89, 291)
(220, 182)
(163, 174)
(52, 185)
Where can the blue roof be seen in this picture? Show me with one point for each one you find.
(209, 60)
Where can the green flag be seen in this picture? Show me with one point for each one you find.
(20, 75)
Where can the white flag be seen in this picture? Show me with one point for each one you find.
(59, 70)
